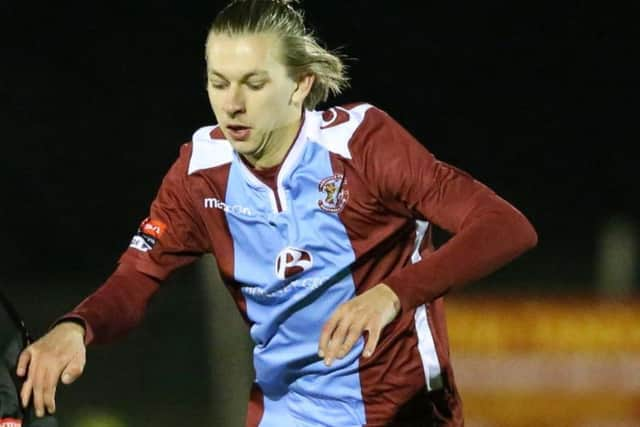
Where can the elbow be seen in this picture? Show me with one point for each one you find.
(527, 236)
(531, 240)
(507, 225)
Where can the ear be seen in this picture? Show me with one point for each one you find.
(302, 89)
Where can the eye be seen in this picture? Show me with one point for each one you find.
(256, 85)
(216, 84)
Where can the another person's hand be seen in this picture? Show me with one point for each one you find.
(370, 312)
(60, 353)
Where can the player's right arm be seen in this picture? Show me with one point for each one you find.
(172, 236)
(110, 312)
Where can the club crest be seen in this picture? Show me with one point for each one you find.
(334, 193)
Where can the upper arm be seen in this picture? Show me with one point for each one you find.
(173, 234)
(409, 179)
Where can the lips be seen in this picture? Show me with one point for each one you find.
(238, 132)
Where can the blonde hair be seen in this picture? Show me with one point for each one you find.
(301, 51)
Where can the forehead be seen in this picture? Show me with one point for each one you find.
(237, 54)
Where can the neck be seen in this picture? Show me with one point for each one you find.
(276, 146)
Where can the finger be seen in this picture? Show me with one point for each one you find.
(327, 331)
(372, 341)
(27, 388)
(355, 332)
(73, 370)
(23, 362)
(25, 392)
(336, 340)
(38, 391)
(49, 392)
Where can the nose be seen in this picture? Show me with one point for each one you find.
(234, 101)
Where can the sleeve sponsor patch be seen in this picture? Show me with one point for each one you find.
(149, 231)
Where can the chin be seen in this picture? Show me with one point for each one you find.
(243, 147)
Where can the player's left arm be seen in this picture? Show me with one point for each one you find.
(488, 232)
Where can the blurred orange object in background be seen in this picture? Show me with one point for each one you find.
(570, 362)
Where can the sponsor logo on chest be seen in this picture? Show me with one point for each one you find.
(214, 203)
(291, 261)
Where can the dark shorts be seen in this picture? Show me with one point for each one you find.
(438, 408)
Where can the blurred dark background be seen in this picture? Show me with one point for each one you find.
(538, 101)
(535, 101)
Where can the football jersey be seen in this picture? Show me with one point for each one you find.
(353, 206)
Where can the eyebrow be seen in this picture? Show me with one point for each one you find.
(254, 73)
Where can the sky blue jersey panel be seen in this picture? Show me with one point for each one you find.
(294, 269)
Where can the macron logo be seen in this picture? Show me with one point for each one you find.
(213, 203)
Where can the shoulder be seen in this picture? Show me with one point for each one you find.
(338, 128)
(208, 149)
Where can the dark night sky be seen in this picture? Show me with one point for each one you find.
(536, 101)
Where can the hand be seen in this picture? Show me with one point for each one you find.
(61, 352)
(370, 312)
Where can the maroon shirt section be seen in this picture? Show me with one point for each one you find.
(116, 307)
(255, 407)
(185, 238)
(488, 232)
(392, 180)
(119, 304)
(268, 177)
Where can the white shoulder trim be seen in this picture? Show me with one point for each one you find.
(335, 131)
(208, 152)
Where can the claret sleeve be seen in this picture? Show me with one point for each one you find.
(487, 231)
(170, 237)
(173, 234)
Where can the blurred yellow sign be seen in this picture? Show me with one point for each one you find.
(570, 362)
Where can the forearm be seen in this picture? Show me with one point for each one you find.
(492, 236)
(116, 307)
